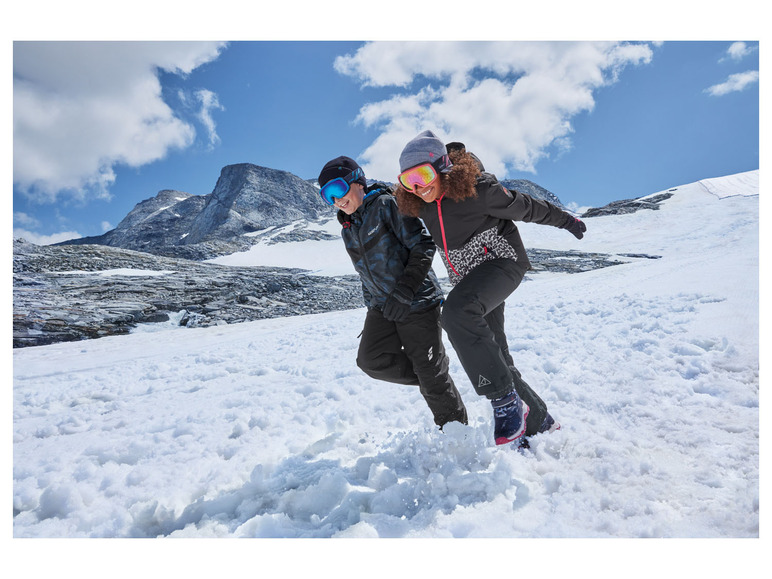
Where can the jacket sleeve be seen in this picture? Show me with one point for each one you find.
(413, 235)
(368, 297)
(506, 204)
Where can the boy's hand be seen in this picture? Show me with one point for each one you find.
(397, 306)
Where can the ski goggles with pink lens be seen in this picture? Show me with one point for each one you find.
(424, 174)
(339, 187)
(420, 176)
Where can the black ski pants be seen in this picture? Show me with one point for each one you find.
(473, 317)
(411, 352)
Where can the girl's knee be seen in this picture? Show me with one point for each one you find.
(457, 308)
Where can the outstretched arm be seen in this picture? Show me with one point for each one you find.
(518, 206)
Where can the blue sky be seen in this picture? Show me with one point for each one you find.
(99, 127)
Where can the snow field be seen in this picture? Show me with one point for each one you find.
(268, 429)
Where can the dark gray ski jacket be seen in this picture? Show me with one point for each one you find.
(388, 248)
(477, 229)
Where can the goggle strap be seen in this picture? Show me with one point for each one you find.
(442, 164)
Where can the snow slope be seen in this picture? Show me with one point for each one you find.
(324, 257)
(268, 428)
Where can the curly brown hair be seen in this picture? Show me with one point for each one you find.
(458, 184)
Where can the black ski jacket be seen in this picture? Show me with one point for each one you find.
(388, 248)
(477, 229)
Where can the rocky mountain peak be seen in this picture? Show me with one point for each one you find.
(245, 199)
(248, 198)
(143, 210)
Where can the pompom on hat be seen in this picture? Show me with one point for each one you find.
(425, 148)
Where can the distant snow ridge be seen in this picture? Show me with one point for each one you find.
(746, 184)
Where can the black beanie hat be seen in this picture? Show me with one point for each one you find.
(340, 167)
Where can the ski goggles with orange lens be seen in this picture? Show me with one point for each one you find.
(339, 187)
(419, 176)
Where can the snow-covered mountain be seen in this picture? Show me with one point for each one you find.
(246, 198)
(268, 428)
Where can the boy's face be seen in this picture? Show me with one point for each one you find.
(352, 200)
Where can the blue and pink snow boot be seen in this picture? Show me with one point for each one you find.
(509, 414)
(549, 424)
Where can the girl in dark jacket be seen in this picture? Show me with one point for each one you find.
(470, 216)
(402, 337)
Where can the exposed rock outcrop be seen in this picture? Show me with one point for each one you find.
(76, 292)
(69, 293)
(629, 205)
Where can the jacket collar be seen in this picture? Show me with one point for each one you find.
(371, 193)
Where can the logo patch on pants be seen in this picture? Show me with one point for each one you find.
(483, 381)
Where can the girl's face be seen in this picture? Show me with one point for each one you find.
(423, 181)
(430, 193)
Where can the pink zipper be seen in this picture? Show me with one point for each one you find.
(444, 241)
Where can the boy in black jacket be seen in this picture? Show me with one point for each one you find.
(402, 336)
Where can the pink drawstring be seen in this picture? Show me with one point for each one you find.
(442, 229)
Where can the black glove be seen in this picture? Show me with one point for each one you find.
(576, 227)
(397, 306)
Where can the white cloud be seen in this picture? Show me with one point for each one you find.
(510, 102)
(81, 108)
(735, 83)
(38, 239)
(26, 223)
(209, 102)
(739, 50)
(24, 219)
